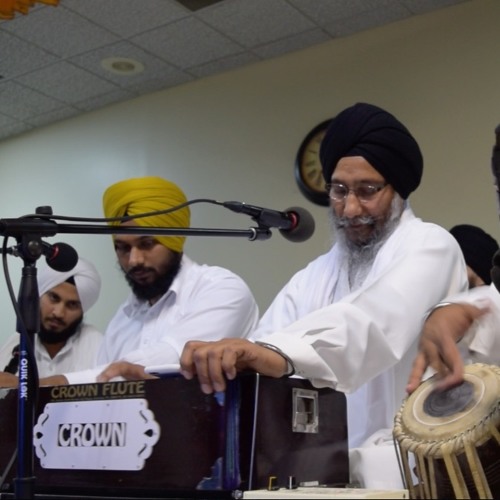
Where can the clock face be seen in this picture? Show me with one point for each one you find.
(308, 171)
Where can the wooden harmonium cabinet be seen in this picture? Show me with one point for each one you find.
(164, 438)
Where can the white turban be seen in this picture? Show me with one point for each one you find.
(87, 281)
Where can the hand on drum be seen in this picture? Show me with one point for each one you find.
(438, 345)
(214, 362)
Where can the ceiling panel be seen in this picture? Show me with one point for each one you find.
(58, 62)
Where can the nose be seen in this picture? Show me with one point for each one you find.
(135, 257)
(352, 207)
(58, 310)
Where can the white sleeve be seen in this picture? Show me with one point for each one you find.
(221, 308)
(483, 337)
(345, 344)
(84, 376)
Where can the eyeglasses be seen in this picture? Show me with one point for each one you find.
(364, 192)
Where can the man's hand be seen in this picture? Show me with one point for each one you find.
(54, 380)
(128, 371)
(214, 362)
(8, 380)
(438, 345)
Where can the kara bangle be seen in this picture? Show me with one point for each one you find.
(438, 306)
(290, 368)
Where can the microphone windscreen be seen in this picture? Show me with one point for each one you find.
(303, 229)
(63, 259)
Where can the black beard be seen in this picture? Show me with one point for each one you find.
(52, 337)
(160, 285)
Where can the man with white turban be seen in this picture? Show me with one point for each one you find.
(64, 342)
(350, 320)
(173, 299)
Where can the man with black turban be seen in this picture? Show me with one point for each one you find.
(351, 319)
(65, 341)
(173, 299)
(478, 248)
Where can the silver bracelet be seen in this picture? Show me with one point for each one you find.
(290, 368)
(438, 306)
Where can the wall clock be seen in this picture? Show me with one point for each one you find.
(308, 171)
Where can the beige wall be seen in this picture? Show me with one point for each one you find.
(235, 136)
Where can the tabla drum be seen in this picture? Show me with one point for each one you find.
(448, 442)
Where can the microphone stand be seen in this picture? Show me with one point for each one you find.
(28, 231)
(28, 325)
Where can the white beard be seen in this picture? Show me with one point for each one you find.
(358, 258)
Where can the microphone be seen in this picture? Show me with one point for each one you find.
(295, 224)
(59, 256)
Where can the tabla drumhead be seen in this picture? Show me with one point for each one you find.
(428, 415)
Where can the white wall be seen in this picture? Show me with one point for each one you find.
(235, 136)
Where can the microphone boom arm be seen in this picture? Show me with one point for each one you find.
(43, 227)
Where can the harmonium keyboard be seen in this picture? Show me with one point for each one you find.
(164, 438)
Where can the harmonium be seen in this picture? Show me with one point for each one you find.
(164, 438)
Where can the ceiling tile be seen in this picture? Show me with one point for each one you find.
(50, 59)
(66, 82)
(19, 56)
(292, 44)
(61, 113)
(15, 129)
(104, 99)
(153, 66)
(21, 102)
(187, 43)
(128, 17)
(60, 31)
(256, 22)
(354, 24)
(224, 64)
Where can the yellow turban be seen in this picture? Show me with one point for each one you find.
(149, 194)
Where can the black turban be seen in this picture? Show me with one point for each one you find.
(478, 248)
(382, 140)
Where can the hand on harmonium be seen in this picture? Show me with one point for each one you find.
(215, 362)
(8, 380)
(125, 370)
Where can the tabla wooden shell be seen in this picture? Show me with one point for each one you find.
(453, 437)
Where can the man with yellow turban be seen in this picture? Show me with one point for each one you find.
(173, 299)
(65, 342)
(351, 318)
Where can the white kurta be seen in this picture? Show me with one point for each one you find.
(203, 303)
(363, 342)
(79, 352)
